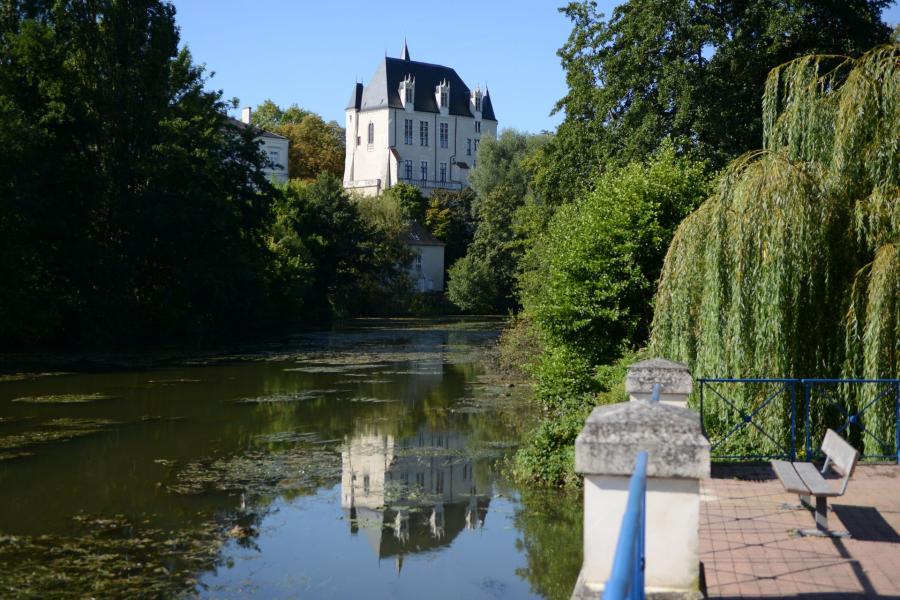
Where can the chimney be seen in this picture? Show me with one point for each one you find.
(245, 114)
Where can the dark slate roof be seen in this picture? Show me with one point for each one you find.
(241, 125)
(356, 97)
(419, 236)
(384, 88)
(487, 109)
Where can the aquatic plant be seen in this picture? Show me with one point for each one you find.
(792, 267)
(64, 398)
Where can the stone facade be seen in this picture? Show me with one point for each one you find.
(417, 123)
(274, 146)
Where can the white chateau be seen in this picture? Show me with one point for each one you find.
(414, 123)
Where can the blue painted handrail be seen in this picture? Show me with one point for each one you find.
(626, 582)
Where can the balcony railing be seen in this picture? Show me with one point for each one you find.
(432, 184)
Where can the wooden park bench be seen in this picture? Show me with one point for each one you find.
(805, 480)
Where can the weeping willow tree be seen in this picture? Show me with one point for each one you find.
(792, 267)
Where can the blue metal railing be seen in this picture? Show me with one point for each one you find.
(626, 582)
(841, 404)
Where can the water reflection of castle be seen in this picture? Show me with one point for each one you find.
(410, 495)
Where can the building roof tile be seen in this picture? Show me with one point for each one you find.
(383, 90)
(418, 235)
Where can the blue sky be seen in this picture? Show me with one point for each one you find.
(311, 52)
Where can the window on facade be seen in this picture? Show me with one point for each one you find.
(445, 134)
(443, 171)
(407, 131)
(468, 146)
(409, 94)
(409, 169)
(477, 126)
(275, 157)
(366, 485)
(445, 97)
(358, 141)
(420, 479)
(423, 133)
(371, 133)
(478, 103)
(418, 262)
(424, 168)
(439, 484)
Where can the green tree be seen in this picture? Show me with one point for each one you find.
(270, 116)
(485, 279)
(687, 70)
(409, 199)
(316, 147)
(449, 218)
(598, 264)
(356, 263)
(589, 295)
(792, 268)
(129, 210)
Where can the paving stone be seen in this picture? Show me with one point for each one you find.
(749, 550)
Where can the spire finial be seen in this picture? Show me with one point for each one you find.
(405, 55)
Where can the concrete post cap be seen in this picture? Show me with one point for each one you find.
(615, 433)
(673, 377)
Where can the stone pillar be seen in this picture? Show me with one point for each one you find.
(674, 379)
(678, 457)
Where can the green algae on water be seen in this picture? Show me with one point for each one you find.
(111, 557)
(10, 377)
(301, 468)
(64, 398)
(55, 430)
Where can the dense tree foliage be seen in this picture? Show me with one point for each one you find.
(792, 268)
(409, 200)
(316, 146)
(128, 205)
(589, 295)
(333, 260)
(450, 218)
(130, 210)
(693, 71)
(597, 266)
(485, 279)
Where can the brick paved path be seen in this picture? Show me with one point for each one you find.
(749, 550)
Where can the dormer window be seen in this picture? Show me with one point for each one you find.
(408, 92)
(476, 100)
(442, 96)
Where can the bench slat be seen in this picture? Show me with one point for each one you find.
(818, 485)
(843, 456)
(789, 477)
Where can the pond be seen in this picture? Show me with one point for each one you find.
(363, 461)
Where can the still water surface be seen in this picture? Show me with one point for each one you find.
(362, 462)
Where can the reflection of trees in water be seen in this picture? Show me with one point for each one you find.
(550, 525)
(410, 494)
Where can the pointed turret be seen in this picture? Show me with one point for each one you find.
(487, 107)
(405, 54)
